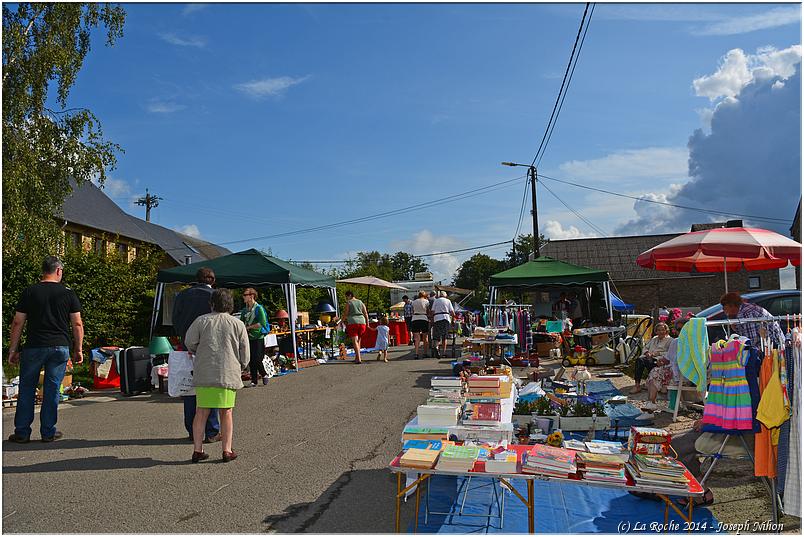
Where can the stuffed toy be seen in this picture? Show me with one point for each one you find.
(342, 351)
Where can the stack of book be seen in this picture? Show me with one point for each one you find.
(657, 471)
(550, 461)
(458, 458)
(413, 432)
(483, 386)
(423, 444)
(607, 447)
(438, 415)
(423, 459)
(445, 391)
(602, 468)
(502, 461)
(486, 413)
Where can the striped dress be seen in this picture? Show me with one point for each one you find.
(728, 404)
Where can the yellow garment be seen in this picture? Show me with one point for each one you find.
(772, 410)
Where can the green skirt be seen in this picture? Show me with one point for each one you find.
(210, 397)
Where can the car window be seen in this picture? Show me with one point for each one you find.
(784, 305)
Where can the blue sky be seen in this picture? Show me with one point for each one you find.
(258, 119)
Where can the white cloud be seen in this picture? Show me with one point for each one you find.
(114, 188)
(661, 163)
(157, 106)
(189, 9)
(191, 230)
(738, 69)
(269, 87)
(773, 18)
(184, 41)
(554, 230)
(443, 266)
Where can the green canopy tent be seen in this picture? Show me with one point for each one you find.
(549, 272)
(250, 268)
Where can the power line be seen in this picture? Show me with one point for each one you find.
(521, 210)
(553, 114)
(386, 214)
(422, 255)
(590, 224)
(699, 209)
(569, 81)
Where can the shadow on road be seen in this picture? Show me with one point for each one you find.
(90, 463)
(360, 501)
(80, 443)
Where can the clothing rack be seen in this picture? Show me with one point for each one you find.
(509, 305)
(722, 322)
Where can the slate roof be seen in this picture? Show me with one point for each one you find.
(89, 206)
(617, 255)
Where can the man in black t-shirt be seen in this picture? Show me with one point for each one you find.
(49, 308)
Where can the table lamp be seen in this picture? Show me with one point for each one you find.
(325, 311)
(159, 345)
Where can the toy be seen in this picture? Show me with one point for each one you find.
(342, 351)
(581, 375)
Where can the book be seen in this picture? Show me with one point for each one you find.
(483, 381)
(505, 462)
(551, 461)
(450, 382)
(422, 444)
(425, 433)
(419, 458)
(458, 458)
(575, 445)
(604, 447)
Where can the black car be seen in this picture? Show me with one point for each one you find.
(778, 302)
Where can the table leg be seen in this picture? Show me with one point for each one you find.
(398, 498)
(666, 512)
(531, 508)
(691, 503)
(418, 498)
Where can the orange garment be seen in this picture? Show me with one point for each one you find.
(765, 451)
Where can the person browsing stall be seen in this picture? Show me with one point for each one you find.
(407, 313)
(734, 307)
(187, 307)
(655, 351)
(562, 308)
(421, 324)
(443, 315)
(256, 321)
(50, 309)
(221, 347)
(355, 316)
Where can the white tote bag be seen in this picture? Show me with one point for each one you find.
(180, 374)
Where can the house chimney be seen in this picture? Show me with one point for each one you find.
(188, 259)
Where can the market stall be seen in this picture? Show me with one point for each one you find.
(250, 268)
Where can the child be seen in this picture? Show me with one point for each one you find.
(382, 339)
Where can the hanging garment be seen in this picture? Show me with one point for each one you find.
(728, 403)
(693, 352)
(773, 411)
(787, 369)
(765, 449)
(792, 482)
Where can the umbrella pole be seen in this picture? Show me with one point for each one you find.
(725, 275)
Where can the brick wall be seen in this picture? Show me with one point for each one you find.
(699, 291)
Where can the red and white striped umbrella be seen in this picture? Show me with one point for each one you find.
(727, 249)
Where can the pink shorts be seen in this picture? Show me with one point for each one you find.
(355, 330)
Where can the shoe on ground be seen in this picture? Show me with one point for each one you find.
(17, 439)
(650, 406)
(645, 416)
(199, 456)
(265, 381)
(229, 456)
(253, 384)
(212, 439)
(56, 436)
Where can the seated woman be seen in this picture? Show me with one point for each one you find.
(655, 349)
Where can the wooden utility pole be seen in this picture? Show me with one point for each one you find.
(149, 201)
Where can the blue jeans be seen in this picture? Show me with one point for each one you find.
(213, 425)
(32, 360)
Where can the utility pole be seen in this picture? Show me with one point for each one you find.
(532, 171)
(153, 201)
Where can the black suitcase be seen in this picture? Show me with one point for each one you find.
(135, 370)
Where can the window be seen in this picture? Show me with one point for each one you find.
(75, 239)
(99, 246)
(122, 249)
(754, 282)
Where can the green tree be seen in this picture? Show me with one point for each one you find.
(522, 249)
(45, 150)
(475, 273)
(405, 266)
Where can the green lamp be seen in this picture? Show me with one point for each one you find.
(159, 345)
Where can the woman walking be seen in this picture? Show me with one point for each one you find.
(355, 317)
(256, 320)
(220, 344)
(421, 324)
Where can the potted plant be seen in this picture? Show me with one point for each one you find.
(580, 416)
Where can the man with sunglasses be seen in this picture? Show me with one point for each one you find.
(50, 309)
(188, 306)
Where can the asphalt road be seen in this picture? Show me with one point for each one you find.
(313, 448)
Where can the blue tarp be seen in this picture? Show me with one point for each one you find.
(560, 508)
(618, 304)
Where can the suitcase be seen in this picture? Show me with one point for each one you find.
(135, 370)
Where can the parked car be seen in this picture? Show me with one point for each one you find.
(777, 302)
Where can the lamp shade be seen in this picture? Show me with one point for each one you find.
(160, 345)
(281, 314)
(324, 307)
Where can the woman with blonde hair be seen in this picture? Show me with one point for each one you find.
(220, 344)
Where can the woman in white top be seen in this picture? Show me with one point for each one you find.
(655, 352)
(421, 323)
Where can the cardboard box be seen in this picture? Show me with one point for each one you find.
(304, 318)
(544, 348)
